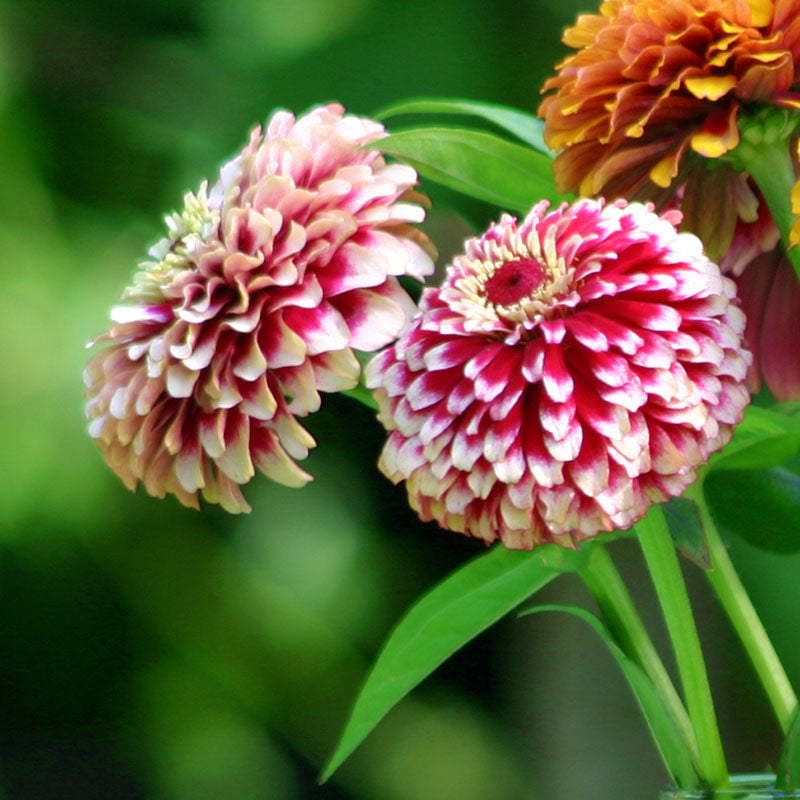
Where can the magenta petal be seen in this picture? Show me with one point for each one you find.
(493, 378)
(549, 404)
(374, 317)
(556, 379)
(353, 267)
(431, 387)
(322, 328)
(452, 352)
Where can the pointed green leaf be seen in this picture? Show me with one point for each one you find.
(526, 127)
(788, 774)
(444, 620)
(674, 750)
(764, 438)
(476, 164)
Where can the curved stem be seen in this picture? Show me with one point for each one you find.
(665, 571)
(616, 604)
(746, 622)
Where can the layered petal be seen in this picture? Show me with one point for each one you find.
(652, 82)
(251, 306)
(572, 370)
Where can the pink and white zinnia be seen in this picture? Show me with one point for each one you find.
(251, 306)
(570, 372)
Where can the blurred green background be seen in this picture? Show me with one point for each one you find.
(148, 651)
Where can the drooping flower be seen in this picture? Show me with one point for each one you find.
(653, 83)
(252, 305)
(571, 371)
(770, 296)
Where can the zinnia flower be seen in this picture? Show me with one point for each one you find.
(571, 371)
(656, 89)
(252, 305)
(654, 82)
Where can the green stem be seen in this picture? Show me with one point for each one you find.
(770, 166)
(745, 620)
(665, 571)
(617, 607)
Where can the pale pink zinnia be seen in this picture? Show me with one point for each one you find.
(252, 305)
(570, 372)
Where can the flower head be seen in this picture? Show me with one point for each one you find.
(571, 371)
(252, 304)
(653, 82)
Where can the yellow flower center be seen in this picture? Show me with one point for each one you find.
(171, 255)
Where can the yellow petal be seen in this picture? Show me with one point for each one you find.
(663, 172)
(795, 197)
(768, 57)
(794, 233)
(709, 145)
(760, 12)
(711, 87)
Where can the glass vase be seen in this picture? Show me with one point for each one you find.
(743, 787)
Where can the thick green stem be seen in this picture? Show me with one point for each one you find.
(745, 620)
(665, 571)
(770, 166)
(616, 604)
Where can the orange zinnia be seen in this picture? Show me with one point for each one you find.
(650, 107)
(653, 83)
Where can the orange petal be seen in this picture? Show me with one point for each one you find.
(584, 33)
(763, 80)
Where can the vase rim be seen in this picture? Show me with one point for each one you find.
(743, 786)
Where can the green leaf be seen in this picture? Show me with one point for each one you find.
(686, 528)
(788, 774)
(477, 164)
(790, 408)
(674, 750)
(444, 620)
(760, 506)
(526, 127)
(765, 438)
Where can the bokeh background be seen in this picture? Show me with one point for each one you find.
(156, 653)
